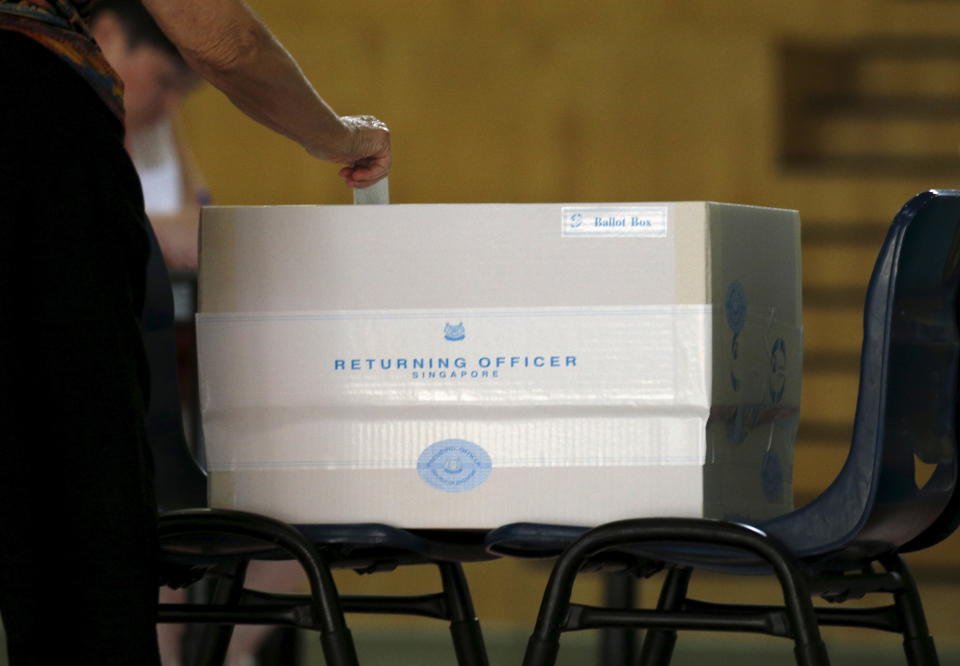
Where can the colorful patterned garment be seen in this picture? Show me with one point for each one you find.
(59, 25)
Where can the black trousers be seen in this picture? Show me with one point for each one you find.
(78, 581)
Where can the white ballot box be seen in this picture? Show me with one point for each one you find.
(467, 366)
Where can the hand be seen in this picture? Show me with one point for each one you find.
(368, 156)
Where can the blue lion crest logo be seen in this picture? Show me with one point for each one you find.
(454, 332)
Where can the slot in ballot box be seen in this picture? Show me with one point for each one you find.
(466, 366)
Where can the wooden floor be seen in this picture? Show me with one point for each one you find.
(507, 594)
(506, 648)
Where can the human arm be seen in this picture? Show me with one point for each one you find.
(177, 236)
(173, 189)
(228, 45)
(177, 231)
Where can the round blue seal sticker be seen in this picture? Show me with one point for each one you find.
(735, 306)
(454, 465)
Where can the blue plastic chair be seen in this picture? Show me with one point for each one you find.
(873, 511)
(198, 543)
(218, 545)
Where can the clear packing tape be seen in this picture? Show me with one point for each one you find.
(547, 387)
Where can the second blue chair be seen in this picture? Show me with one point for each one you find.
(845, 543)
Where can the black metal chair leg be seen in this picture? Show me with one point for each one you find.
(544, 643)
(464, 625)
(213, 640)
(658, 644)
(618, 647)
(918, 644)
(326, 613)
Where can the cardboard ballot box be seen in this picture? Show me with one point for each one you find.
(466, 366)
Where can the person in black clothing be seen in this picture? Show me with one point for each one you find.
(78, 571)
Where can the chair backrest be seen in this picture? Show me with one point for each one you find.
(907, 400)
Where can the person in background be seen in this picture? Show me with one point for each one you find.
(156, 80)
(74, 246)
(173, 190)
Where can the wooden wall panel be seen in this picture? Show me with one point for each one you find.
(495, 103)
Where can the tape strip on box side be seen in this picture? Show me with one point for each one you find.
(530, 388)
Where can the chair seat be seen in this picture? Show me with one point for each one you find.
(535, 541)
(360, 546)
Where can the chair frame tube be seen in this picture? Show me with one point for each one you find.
(544, 643)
